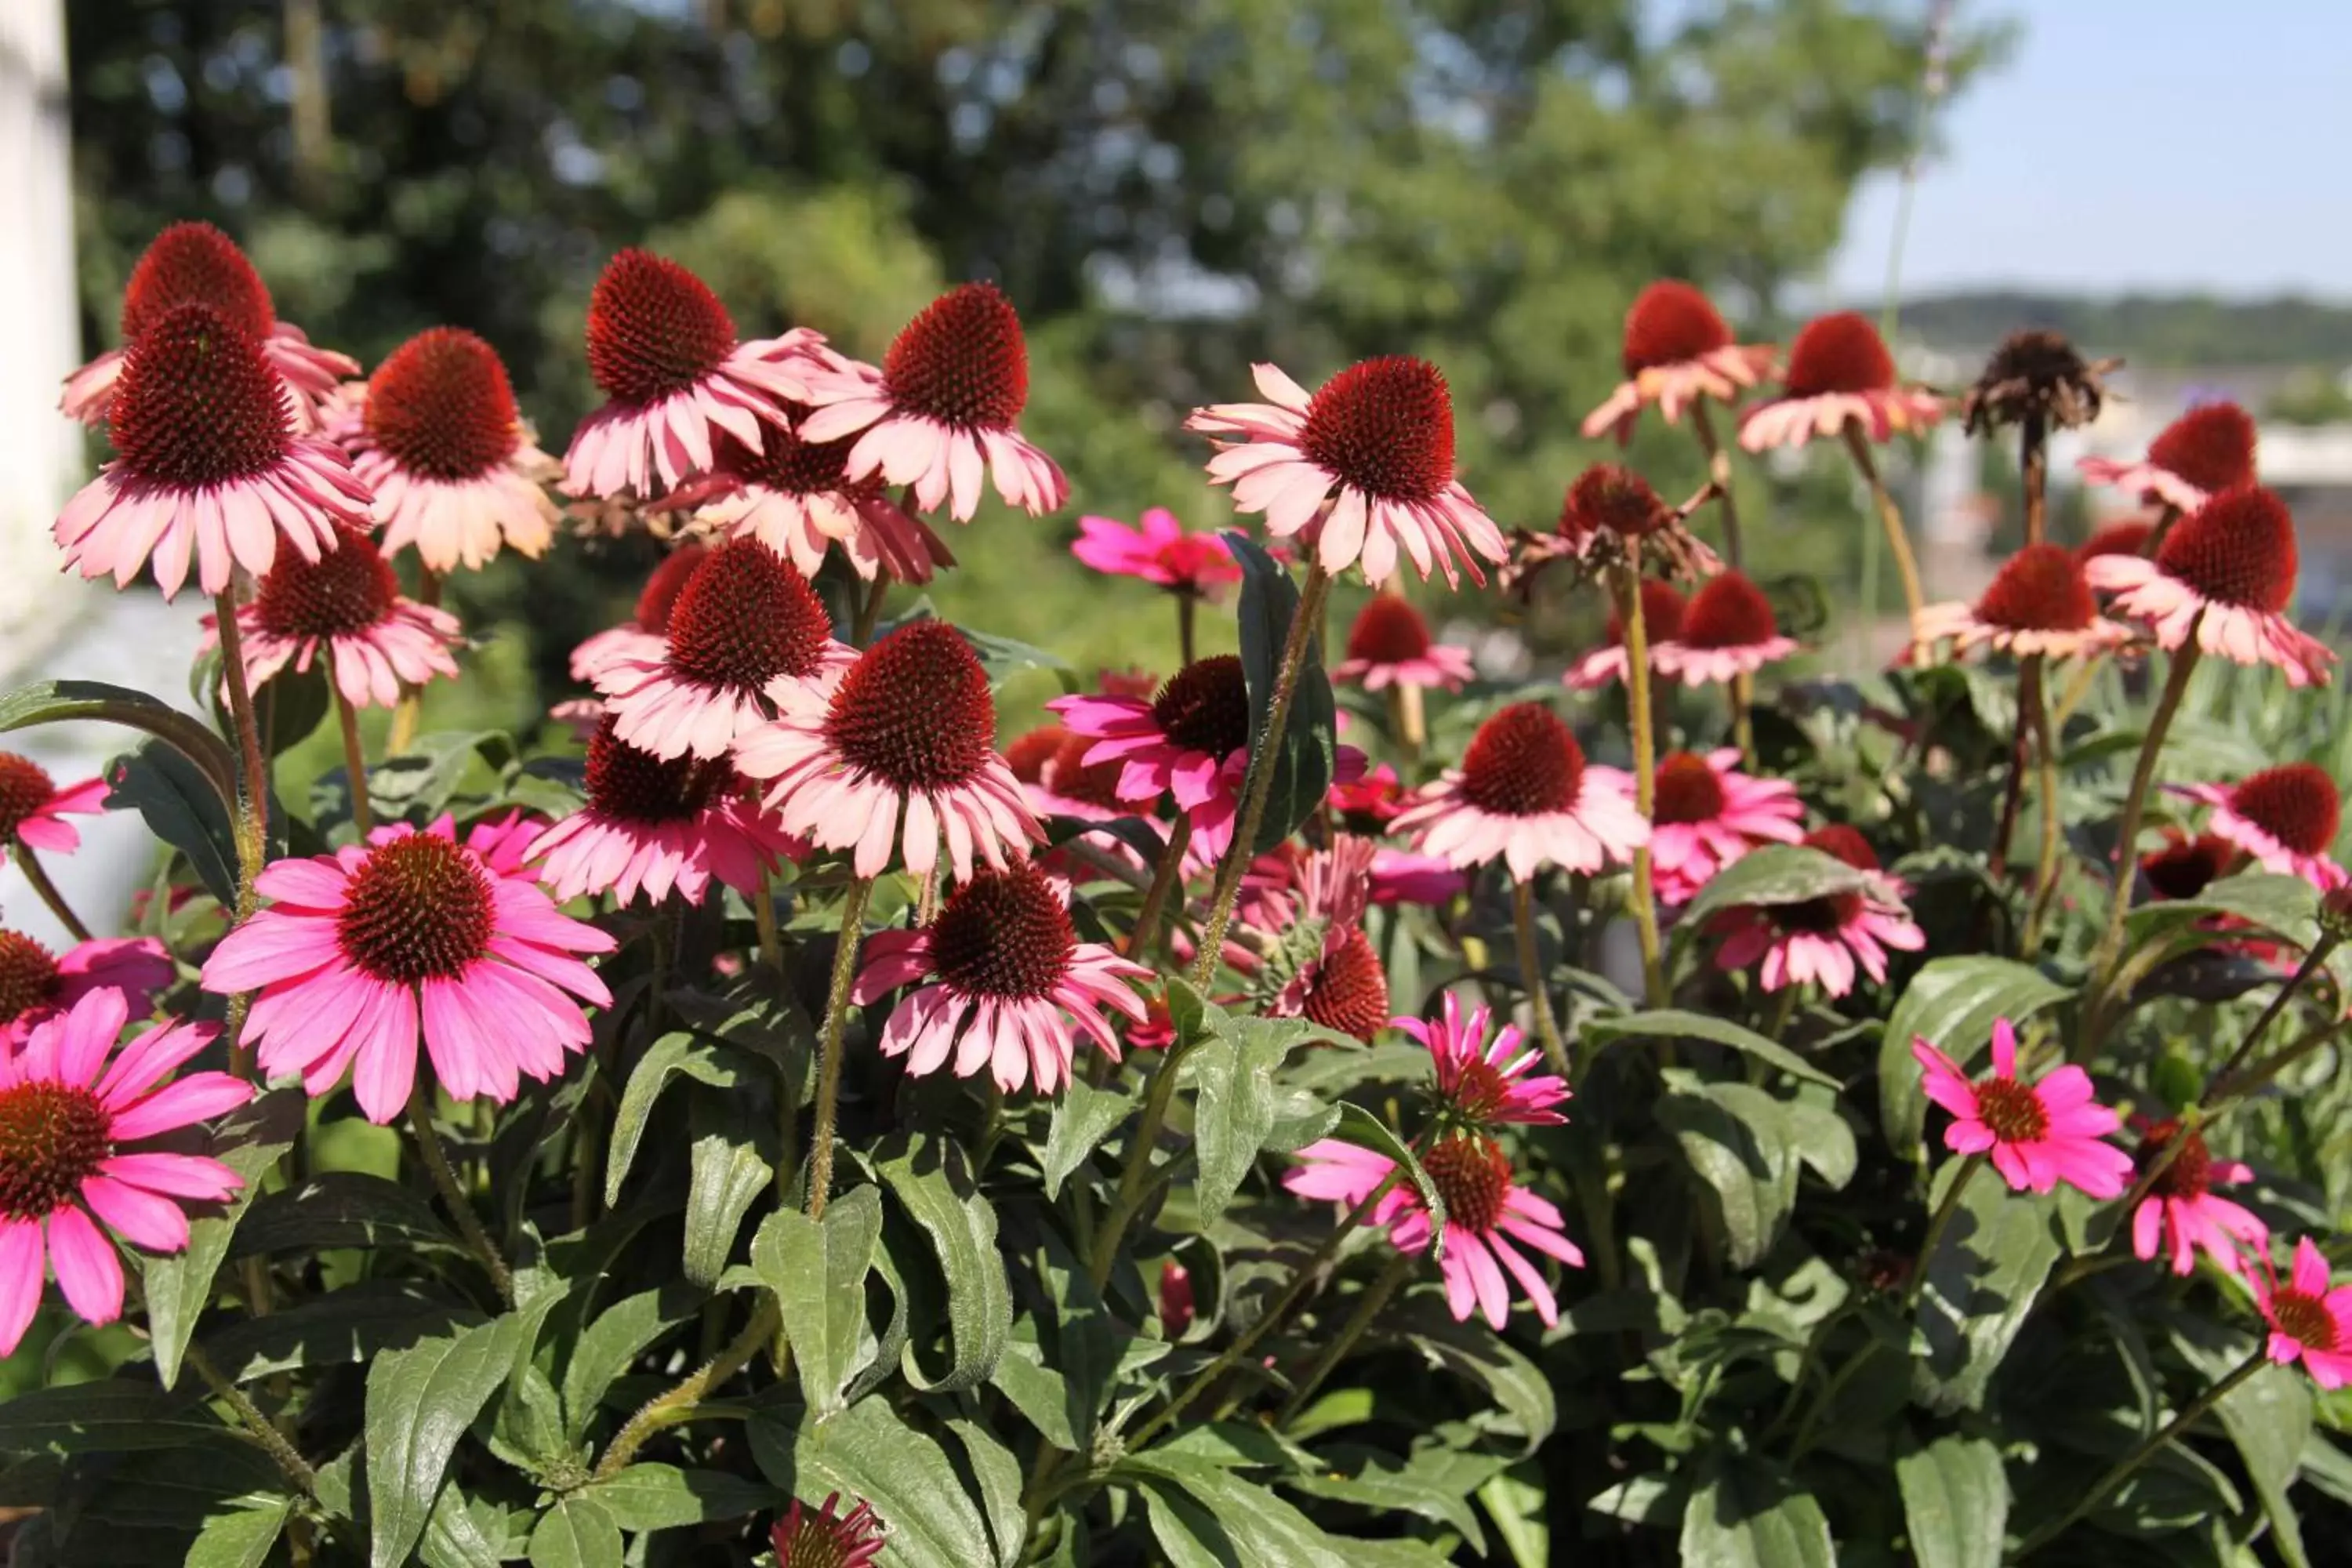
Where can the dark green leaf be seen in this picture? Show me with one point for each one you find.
(420, 1401)
(1365, 1130)
(1233, 1102)
(1951, 1004)
(1388, 1485)
(728, 1175)
(239, 1537)
(463, 1533)
(1303, 756)
(60, 701)
(180, 806)
(618, 1336)
(338, 1209)
(1735, 1140)
(1518, 1385)
(663, 1496)
(249, 1142)
(676, 1052)
(1988, 1271)
(868, 1452)
(1775, 874)
(576, 1533)
(818, 1269)
(1251, 1525)
(1004, 659)
(114, 1417)
(1954, 1502)
(1518, 1502)
(356, 1323)
(933, 1183)
(1670, 1024)
(1746, 1516)
(1083, 1118)
(999, 1475)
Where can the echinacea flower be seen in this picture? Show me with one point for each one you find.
(1481, 1082)
(745, 632)
(942, 414)
(1389, 645)
(1376, 443)
(208, 463)
(1612, 518)
(2226, 572)
(439, 440)
(2310, 1323)
(2287, 817)
(2038, 1134)
(643, 635)
(2186, 866)
(33, 809)
(346, 606)
(411, 935)
(1524, 796)
(1705, 814)
(895, 752)
(1663, 607)
(1298, 935)
(1677, 351)
(1824, 940)
(1838, 373)
(816, 1538)
(71, 1121)
(1180, 740)
(1370, 803)
(2181, 1211)
(35, 983)
(664, 351)
(1727, 630)
(2128, 537)
(197, 264)
(795, 496)
(656, 826)
(2207, 450)
(2040, 602)
(1160, 552)
(1487, 1212)
(1400, 876)
(2036, 377)
(1002, 980)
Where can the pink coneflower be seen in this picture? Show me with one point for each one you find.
(1389, 645)
(942, 414)
(411, 935)
(1677, 351)
(1007, 980)
(1485, 1213)
(2186, 866)
(2309, 1322)
(2226, 571)
(657, 826)
(665, 351)
(1338, 981)
(1824, 940)
(70, 1168)
(1524, 796)
(1663, 607)
(815, 1538)
(1376, 443)
(1705, 814)
(1067, 785)
(439, 440)
(346, 606)
(1370, 803)
(1611, 517)
(197, 264)
(2038, 1134)
(1839, 369)
(746, 631)
(2040, 602)
(33, 809)
(1400, 877)
(1160, 552)
(903, 735)
(2128, 537)
(1179, 741)
(2180, 1210)
(35, 983)
(2207, 450)
(795, 496)
(642, 636)
(1483, 1083)
(2285, 818)
(208, 463)
(1727, 630)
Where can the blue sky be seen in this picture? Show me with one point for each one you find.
(2136, 144)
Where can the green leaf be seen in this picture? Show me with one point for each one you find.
(1775, 874)
(1252, 1524)
(1365, 1130)
(1517, 1500)
(1003, 659)
(1951, 1004)
(241, 1538)
(674, 1053)
(1954, 1502)
(2269, 1417)
(1518, 1387)
(248, 1141)
(1988, 1269)
(1305, 754)
(63, 701)
(420, 782)
(419, 1402)
(1670, 1024)
(180, 806)
(344, 1327)
(1084, 1117)
(728, 1175)
(999, 1475)
(1745, 1516)
(664, 1496)
(868, 1452)
(1820, 1138)
(459, 1533)
(818, 1269)
(933, 1183)
(1388, 1485)
(618, 1336)
(576, 1533)
(1189, 1535)
(1735, 1140)
(117, 1415)
(1234, 1103)
(2285, 906)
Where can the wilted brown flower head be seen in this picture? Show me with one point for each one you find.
(2035, 372)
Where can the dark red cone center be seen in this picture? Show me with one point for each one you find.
(1610, 497)
(1839, 353)
(1729, 612)
(1523, 763)
(1350, 991)
(915, 711)
(1385, 427)
(2211, 447)
(25, 787)
(441, 407)
(745, 617)
(1068, 773)
(1687, 790)
(790, 466)
(2185, 866)
(1663, 611)
(668, 580)
(28, 975)
(197, 404)
(2237, 549)
(1032, 750)
(2011, 1109)
(2116, 539)
(2190, 1173)
(196, 264)
(1474, 1176)
(1003, 935)
(2040, 589)
(419, 908)
(347, 590)
(1204, 707)
(962, 360)
(1671, 321)
(637, 786)
(1388, 630)
(52, 1138)
(2305, 1319)
(2297, 804)
(654, 328)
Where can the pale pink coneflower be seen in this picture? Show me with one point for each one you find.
(2182, 1214)
(1705, 814)
(1484, 1083)
(1180, 740)
(2037, 1134)
(2310, 1323)
(817, 1538)
(33, 809)
(35, 983)
(1298, 935)
(2287, 817)
(1390, 646)
(1663, 607)
(2038, 603)
(1839, 371)
(2227, 572)
(1524, 796)
(1677, 351)
(644, 634)
(1823, 940)
(1729, 630)
(347, 607)
(797, 497)
(2207, 450)
(1160, 552)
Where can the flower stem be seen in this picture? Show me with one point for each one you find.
(1898, 540)
(869, 610)
(272, 1442)
(2012, 795)
(1306, 625)
(1408, 725)
(836, 1020)
(2312, 960)
(764, 920)
(2102, 1488)
(1718, 469)
(354, 763)
(252, 805)
(678, 1403)
(444, 1179)
(1188, 605)
(37, 876)
(1165, 878)
(1368, 1308)
(1531, 975)
(2033, 468)
(1628, 588)
(2045, 863)
(1134, 1180)
(1936, 1224)
(2110, 951)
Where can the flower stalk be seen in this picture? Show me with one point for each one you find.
(347, 718)
(836, 1018)
(453, 1194)
(37, 877)
(1890, 517)
(2108, 954)
(1531, 975)
(1627, 586)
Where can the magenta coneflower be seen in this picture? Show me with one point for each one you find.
(1663, 607)
(797, 497)
(2207, 450)
(197, 264)
(1824, 940)
(1389, 645)
(1839, 369)
(439, 440)
(1524, 796)
(1677, 351)
(1160, 552)
(1705, 814)
(33, 809)
(1370, 803)
(347, 605)
(2040, 602)
(1067, 785)
(2186, 866)
(1182, 741)
(2181, 1212)
(1376, 443)
(1008, 977)
(207, 464)
(411, 935)
(815, 1538)
(656, 826)
(664, 351)
(2038, 1134)
(2226, 571)
(1487, 1211)
(1400, 876)
(644, 635)
(2309, 1321)
(903, 735)
(2287, 817)
(70, 1123)
(746, 631)
(1483, 1083)
(1727, 630)
(35, 983)
(942, 414)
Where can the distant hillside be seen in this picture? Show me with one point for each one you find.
(2152, 331)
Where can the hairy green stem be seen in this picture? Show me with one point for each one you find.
(678, 1403)
(36, 875)
(1134, 1181)
(2312, 960)
(271, 1441)
(347, 718)
(1166, 877)
(1368, 1308)
(1531, 975)
(444, 1179)
(2110, 949)
(1628, 587)
(1936, 1224)
(1898, 539)
(836, 1020)
(2045, 862)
